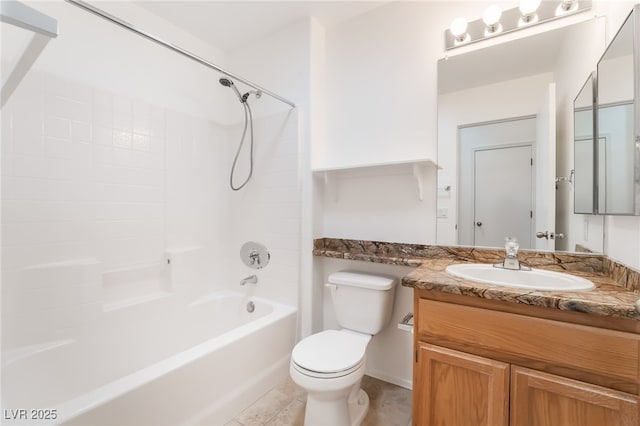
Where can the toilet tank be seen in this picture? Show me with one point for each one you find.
(362, 302)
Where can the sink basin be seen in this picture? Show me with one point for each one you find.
(536, 279)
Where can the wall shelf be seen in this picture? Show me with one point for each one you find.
(417, 168)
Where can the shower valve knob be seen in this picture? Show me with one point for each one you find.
(254, 255)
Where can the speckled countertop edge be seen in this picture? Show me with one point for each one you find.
(617, 286)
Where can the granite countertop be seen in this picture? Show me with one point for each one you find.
(608, 298)
(616, 292)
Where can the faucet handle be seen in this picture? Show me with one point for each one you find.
(254, 257)
(511, 246)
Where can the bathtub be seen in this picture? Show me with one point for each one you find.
(199, 364)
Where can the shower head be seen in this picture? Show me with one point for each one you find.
(228, 83)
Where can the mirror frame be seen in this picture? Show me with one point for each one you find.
(593, 79)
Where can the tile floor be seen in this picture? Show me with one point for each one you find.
(390, 405)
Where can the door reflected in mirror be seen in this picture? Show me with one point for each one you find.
(497, 182)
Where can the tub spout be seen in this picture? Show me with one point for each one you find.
(253, 279)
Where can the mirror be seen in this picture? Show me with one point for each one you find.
(584, 149)
(618, 150)
(508, 93)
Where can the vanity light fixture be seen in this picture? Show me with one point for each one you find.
(496, 21)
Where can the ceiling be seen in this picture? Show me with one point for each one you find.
(232, 24)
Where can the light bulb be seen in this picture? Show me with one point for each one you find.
(529, 7)
(491, 18)
(491, 15)
(459, 29)
(566, 5)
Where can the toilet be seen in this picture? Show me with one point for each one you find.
(330, 365)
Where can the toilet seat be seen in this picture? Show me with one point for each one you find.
(319, 375)
(330, 353)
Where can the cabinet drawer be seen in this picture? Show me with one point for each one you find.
(605, 357)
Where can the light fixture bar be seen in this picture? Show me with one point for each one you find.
(511, 21)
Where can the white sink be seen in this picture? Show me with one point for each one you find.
(535, 279)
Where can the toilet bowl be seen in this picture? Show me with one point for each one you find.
(330, 365)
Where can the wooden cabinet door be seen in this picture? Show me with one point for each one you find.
(453, 388)
(542, 399)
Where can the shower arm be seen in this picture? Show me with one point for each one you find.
(92, 9)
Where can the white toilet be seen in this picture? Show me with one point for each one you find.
(329, 365)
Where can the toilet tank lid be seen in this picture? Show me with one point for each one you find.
(357, 279)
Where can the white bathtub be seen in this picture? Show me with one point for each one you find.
(201, 365)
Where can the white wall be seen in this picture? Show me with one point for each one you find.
(312, 290)
(291, 62)
(109, 170)
(92, 51)
(379, 89)
(267, 209)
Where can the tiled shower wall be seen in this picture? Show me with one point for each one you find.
(267, 210)
(99, 192)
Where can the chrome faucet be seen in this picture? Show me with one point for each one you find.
(511, 259)
(254, 257)
(253, 279)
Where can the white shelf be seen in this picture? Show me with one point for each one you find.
(417, 168)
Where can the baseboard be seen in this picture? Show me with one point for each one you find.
(404, 383)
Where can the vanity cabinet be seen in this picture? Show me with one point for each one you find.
(457, 388)
(484, 362)
(540, 399)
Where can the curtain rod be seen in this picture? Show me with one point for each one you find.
(89, 8)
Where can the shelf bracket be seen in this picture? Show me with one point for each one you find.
(330, 184)
(419, 172)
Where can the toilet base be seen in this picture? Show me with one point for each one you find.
(349, 411)
(359, 407)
